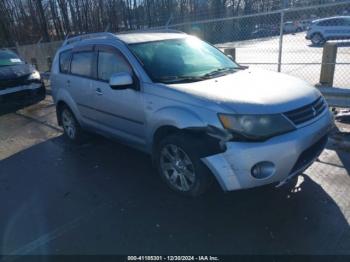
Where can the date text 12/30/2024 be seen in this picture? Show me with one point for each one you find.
(173, 258)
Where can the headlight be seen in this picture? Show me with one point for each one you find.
(35, 75)
(255, 127)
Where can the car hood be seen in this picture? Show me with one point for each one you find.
(15, 71)
(253, 91)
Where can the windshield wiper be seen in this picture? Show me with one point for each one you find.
(180, 79)
(190, 79)
(220, 71)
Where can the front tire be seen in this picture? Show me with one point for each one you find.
(317, 39)
(179, 165)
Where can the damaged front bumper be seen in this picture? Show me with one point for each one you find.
(14, 98)
(288, 154)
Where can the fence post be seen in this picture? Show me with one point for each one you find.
(17, 47)
(231, 52)
(280, 45)
(49, 62)
(329, 58)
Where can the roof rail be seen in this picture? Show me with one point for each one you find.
(153, 30)
(172, 31)
(70, 40)
(165, 30)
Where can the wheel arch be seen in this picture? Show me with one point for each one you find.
(63, 98)
(317, 32)
(168, 120)
(61, 103)
(199, 138)
(211, 144)
(164, 131)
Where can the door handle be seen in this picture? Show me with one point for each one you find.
(68, 83)
(99, 91)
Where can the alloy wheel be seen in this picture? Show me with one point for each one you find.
(177, 167)
(317, 39)
(69, 124)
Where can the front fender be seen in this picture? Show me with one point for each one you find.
(172, 116)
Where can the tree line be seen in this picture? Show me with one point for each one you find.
(31, 21)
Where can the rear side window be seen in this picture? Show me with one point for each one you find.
(65, 61)
(336, 22)
(347, 21)
(323, 23)
(82, 64)
(109, 63)
(332, 22)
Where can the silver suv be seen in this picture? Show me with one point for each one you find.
(331, 28)
(200, 115)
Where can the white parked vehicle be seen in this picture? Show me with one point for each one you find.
(332, 28)
(292, 27)
(305, 24)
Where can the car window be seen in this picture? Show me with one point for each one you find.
(332, 22)
(180, 58)
(8, 58)
(346, 21)
(339, 22)
(82, 64)
(110, 63)
(65, 61)
(323, 23)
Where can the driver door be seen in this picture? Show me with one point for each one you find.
(118, 112)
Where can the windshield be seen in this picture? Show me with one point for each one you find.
(8, 58)
(182, 60)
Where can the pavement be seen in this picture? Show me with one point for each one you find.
(296, 50)
(105, 198)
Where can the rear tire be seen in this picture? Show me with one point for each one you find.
(177, 159)
(71, 127)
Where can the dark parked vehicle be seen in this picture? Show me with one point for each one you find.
(20, 83)
(264, 32)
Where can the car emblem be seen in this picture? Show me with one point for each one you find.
(314, 111)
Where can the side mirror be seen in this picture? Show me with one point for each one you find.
(121, 81)
(230, 56)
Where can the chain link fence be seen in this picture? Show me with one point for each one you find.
(276, 40)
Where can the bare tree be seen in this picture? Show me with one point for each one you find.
(27, 21)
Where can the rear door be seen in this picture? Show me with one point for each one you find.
(344, 28)
(79, 82)
(118, 112)
(335, 28)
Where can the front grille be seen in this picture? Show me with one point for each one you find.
(310, 154)
(308, 112)
(14, 82)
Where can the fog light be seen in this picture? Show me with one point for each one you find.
(263, 170)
